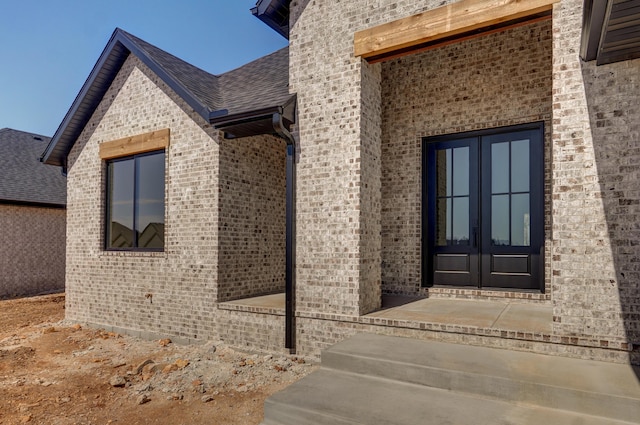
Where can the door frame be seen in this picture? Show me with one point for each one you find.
(426, 218)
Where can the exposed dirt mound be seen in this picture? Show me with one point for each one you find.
(60, 374)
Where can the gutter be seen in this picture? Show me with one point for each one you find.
(281, 117)
(221, 117)
(290, 249)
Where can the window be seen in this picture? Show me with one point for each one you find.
(135, 202)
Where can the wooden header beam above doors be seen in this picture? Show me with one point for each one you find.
(460, 20)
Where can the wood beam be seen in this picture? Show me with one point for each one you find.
(459, 19)
(140, 143)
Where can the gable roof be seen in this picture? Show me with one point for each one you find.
(24, 179)
(258, 86)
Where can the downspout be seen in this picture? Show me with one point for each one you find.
(290, 326)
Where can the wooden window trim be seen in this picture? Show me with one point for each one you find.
(455, 21)
(141, 143)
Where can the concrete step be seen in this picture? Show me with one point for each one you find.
(373, 379)
(330, 397)
(588, 387)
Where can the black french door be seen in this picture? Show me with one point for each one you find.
(483, 215)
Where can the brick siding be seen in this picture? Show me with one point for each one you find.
(596, 189)
(32, 250)
(521, 75)
(175, 292)
(252, 217)
(491, 81)
(359, 189)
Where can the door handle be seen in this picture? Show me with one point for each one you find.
(475, 237)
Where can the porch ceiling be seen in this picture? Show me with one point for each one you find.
(446, 24)
(611, 30)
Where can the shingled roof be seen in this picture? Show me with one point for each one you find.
(261, 86)
(23, 178)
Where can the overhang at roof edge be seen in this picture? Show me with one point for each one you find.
(610, 31)
(102, 75)
(271, 12)
(592, 22)
(33, 204)
(221, 120)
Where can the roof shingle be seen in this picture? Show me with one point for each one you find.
(23, 178)
(258, 85)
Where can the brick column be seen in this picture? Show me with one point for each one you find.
(338, 180)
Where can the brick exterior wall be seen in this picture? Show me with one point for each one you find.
(338, 256)
(346, 118)
(253, 331)
(521, 75)
(32, 250)
(359, 190)
(252, 217)
(112, 289)
(596, 190)
(496, 80)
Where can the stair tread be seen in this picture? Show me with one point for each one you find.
(336, 397)
(620, 380)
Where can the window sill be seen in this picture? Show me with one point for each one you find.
(142, 254)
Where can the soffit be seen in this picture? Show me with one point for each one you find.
(274, 13)
(611, 30)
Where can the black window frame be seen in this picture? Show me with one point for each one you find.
(107, 215)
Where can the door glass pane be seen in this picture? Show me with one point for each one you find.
(520, 166)
(150, 201)
(500, 220)
(460, 234)
(520, 220)
(443, 223)
(500, 167)
(449, 163)
(443, 172)
(461, 171)
(120, 230)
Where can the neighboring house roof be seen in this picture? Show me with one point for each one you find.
(23, 178)
(260, 86)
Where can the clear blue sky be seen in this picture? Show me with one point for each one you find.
(48, 48)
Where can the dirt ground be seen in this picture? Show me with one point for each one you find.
(58, 373)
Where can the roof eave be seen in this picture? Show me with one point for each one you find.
(266, 10)
(99, 68)
(100, 79)
(222, 117)
(32, 203)
(231, 123)
(610, 31)
(592, 27)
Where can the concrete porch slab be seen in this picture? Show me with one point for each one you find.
(273, 301)
(536, 318)
(504, 315)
